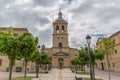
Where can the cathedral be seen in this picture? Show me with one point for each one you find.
(60, 53)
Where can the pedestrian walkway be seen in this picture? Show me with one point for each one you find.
(67, 74)
(105, 75)
(5, 75)
(58, 74)
(52, 75)
(62, 74)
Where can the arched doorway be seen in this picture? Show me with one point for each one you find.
(60, 63)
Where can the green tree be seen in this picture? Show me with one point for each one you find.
(36, 57)
(9, 45)
(27, 47)
(75, 62)
(45, 59)
(83, 57)
(107, 47)
(97, 54)
(41, 58)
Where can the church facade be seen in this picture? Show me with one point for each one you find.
(60, 53)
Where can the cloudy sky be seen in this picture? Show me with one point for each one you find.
(94, 17)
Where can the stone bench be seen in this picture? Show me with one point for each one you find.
(46, 71)
(36, 79)
(81, 77)
(78, 78)
(73, 71)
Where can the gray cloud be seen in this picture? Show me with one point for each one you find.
(84, 17)
(84, 7)
(45, 37)
(24, 17)
(44, 3)
(5, 2)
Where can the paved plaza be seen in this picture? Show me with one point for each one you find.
(63, 74)
(56, 74)
(104, 75)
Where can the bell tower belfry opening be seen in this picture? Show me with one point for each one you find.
(60, 34)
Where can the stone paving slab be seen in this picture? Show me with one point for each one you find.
(54, 74)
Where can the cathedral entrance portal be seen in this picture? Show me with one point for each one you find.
(60, 63)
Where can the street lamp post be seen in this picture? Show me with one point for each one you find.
(88, 40)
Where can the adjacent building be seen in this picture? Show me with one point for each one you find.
(4, 61)
(114, 58)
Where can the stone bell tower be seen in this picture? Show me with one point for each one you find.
(60, 53)
(60, 34)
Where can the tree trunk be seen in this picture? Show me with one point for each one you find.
(25, 68)
(11, 66)
(76, 68)
(93, 72)
(45, 66)
(37, 69)
(108, 63)
(82, 67)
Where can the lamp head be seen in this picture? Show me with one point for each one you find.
(88, 39)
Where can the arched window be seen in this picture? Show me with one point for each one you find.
(60, 45)
(62, 29)
(57, 29)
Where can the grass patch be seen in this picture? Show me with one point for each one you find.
(80, 72)
(22, 78)
(95, 79)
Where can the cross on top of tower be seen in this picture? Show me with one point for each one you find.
(60, 14)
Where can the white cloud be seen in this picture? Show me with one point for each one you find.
(20, 2)
(84, 17)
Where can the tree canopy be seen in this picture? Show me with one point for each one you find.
(28, 44)
(9, 45)
(107, 45)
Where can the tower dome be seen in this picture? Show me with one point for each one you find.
(60, 19)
